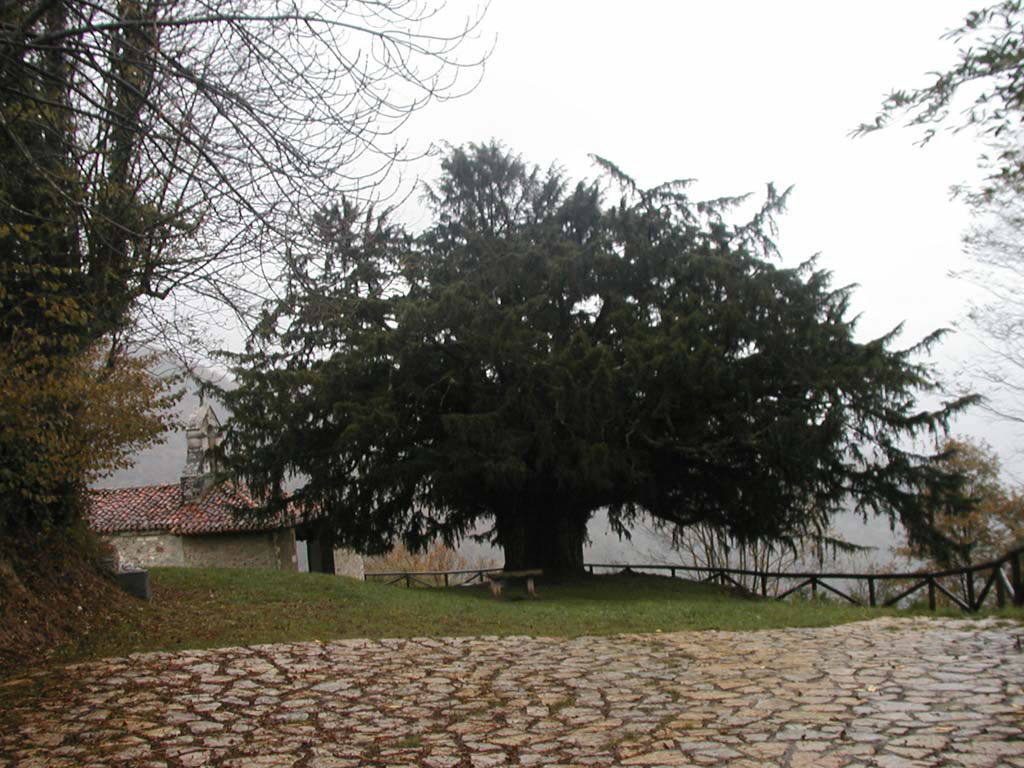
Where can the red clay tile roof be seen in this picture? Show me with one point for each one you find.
(160, 508)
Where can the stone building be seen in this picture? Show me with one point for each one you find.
(194, 523)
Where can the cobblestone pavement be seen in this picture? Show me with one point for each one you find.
(887, 693)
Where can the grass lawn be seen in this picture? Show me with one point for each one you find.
(202, 608)
(211, 607)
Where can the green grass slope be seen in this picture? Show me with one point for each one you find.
(201, 608)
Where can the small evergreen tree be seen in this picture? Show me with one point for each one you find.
(537, 355)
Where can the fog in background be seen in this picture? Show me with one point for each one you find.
(736, 94)
(163, 463)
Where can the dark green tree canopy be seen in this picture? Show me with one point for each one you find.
(539, 354)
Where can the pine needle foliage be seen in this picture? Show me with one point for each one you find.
(545, 350)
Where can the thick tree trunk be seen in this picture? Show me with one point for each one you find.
(512, 539)
(550, 538)
(556, 543)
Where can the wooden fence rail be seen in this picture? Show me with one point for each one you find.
(991, 575)
(431, 578)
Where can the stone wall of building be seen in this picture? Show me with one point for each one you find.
(348, 563)
(268, 549)
(286, 550)
(147, 549)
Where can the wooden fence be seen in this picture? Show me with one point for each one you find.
(431, 578)
(977, 581)
(991, 576)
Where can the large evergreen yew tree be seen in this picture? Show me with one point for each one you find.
(538, 355)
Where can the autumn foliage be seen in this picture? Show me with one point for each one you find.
(66, 421)
(989, 523)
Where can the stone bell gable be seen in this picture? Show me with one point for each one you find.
(202, 435)
(197, 522)
(193, 522)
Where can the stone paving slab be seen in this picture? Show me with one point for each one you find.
(888, 693)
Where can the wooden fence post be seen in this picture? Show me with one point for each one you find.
(1012, 586)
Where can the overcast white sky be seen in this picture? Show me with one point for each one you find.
(740, 93)
(737, 94)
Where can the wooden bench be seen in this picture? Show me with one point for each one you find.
(498, 580)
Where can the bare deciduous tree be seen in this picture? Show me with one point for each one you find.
(181, 145)
(709, 546)
(983, 93)
(159, 157)
(996, 316)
